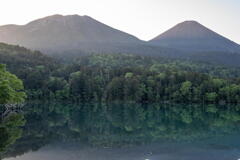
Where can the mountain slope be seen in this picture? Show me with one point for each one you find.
(33, 67)
(68, 37)
(192, 36)
(19, 59)
(59, 32)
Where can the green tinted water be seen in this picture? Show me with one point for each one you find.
(124, 131)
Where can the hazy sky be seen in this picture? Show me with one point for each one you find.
(142, 18)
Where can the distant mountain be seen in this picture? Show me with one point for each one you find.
(192, 36)
(59, 33)
(69, 37)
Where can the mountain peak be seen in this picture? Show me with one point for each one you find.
(193, 36)
(59, 18)
(186, 29)
(191, 22)
(70, 32)
(54, 16)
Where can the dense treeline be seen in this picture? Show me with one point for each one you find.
(136, 78)
(128, 60)
(142, 85)
(117, 77)
(19, 59)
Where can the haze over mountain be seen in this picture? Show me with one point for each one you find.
(192, 36)
(71, 36)
(59, 32)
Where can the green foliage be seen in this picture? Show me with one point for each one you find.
(129, 75)
(116, 77)
(11, 88)
(211, 97)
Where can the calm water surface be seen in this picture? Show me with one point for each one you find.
(121, 131)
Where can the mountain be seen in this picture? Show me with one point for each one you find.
(69, 37)
(75, 35)
(58, 33)
(192, 36)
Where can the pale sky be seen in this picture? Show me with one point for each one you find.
(143, 18)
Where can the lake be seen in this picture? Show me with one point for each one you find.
(121, 131)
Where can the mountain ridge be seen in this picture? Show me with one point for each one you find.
(66, 31)
(73, 36)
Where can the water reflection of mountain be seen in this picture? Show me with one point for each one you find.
(125, 125)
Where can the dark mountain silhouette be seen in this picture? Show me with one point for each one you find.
(59, 33)
(62, 31)
(192, 36)
(75, 35)
(72, 36)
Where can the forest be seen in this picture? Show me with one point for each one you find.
(121, 77)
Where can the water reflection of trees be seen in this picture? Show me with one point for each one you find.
(122, 124)
(10, 130)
